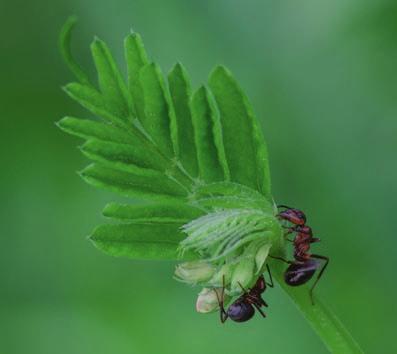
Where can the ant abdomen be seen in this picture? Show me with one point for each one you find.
(240, 311)
(300, 272)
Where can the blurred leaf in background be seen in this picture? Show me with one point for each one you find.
(323, 82)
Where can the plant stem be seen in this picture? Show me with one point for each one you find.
(325, 323)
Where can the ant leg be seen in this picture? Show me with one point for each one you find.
(242, 288)
(270, 276)
(326, 259)
(263, 302)
(256, 300)
(289, 228)
(224, 316)
(284, 206)
(281, 259)
(223, 287)
(222, 313)
(259, 309)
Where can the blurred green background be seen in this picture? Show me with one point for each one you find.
(322, 77)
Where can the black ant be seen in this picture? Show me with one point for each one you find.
(302, 269)
(243, 309)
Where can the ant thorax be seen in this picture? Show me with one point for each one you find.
(304, 265)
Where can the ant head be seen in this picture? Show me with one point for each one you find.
(294, 216)
(240, 311)
(300, 272)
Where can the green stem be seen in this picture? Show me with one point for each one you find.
(325, 323)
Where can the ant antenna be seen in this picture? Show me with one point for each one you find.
(270, 276)
(284, 206)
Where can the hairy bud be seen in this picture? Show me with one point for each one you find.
(194, 272)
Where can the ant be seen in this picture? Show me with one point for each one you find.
(243, 308)
(302, 269)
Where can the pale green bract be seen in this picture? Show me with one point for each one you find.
(226, 240)
(195, 163)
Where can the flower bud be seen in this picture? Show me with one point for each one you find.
(223, 276)
(207, 300)
(243, 275)
(261, 256)
(194, 272)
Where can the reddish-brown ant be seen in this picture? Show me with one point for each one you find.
(243, 309)
(302, 269)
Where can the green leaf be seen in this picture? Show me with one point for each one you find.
(136, 59)
(158, 213)
(64, 46)
(230, 202)
(130, 158)
(111, 83)
(87, 129)
(208, 137)
(93, 100)
(139, 241)
(156, 186)
(181, 95)
(245, 148)
(231, 196)
(159, 120)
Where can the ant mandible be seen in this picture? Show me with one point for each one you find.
(302, 269)
(243, 308)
